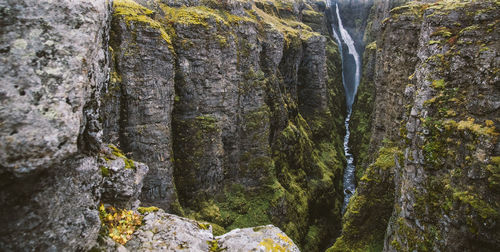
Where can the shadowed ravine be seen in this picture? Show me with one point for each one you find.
(351, 69)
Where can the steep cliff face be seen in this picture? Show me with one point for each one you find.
(447, 187)
(236, 107)
(432, 153)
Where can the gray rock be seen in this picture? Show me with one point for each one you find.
(53, 212)
(166, 232)
(122, 180)
(263, 238)
(52, 61)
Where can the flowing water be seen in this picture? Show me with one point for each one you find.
(351, 73)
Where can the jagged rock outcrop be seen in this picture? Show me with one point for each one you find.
(122, 179)
(433, 123)
(447, 189)
(49, 74)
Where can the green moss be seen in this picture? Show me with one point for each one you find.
(213, 246)
(483, 209)
(222, 41)
(134, 12)
(470, 125)
(291, 29)
(415, 9)
(257, 229)
(217, 230)
(372, 46)
(432, 42)
(442, 32)
(469, 28)
(386, 157)
(203, 226)
(129, 163)
(483, 49)
(115, 77)
(201, 16)
(104, 171)
(438, 84)
(145, 210)
(374, 196)
(244, 208)
(207, 122)
(494, 170)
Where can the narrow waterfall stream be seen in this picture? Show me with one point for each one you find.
(351, 73)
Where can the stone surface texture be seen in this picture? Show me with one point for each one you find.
(262, 238)
(53, 63)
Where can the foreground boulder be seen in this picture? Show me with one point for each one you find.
(263, 238)
(161, 231)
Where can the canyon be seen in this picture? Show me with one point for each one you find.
(266, 125)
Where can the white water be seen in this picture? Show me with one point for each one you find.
(350, 86)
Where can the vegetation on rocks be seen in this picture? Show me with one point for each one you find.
(374, 197)
(119, 224)
(230, 113)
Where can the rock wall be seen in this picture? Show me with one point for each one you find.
(447, 187)
(236, 107)
(431, 118)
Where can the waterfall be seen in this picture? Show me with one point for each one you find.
(350, 61)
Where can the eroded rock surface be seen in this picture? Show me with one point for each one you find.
(166, 232)
(53, 60)
(262, 238)
(53, 63)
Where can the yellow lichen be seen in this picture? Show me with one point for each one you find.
(270, 245)
(372, 46)
(479, 205)
(203, 226)
(470, 125)
(438, 84)
(288, 27)
(129, 163)
(119, 224)
(144, 210)
(285, 239)
(200, 15)
(134, 12)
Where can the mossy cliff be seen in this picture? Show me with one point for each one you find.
(236, 106)
(231, 113)
(431, 101)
